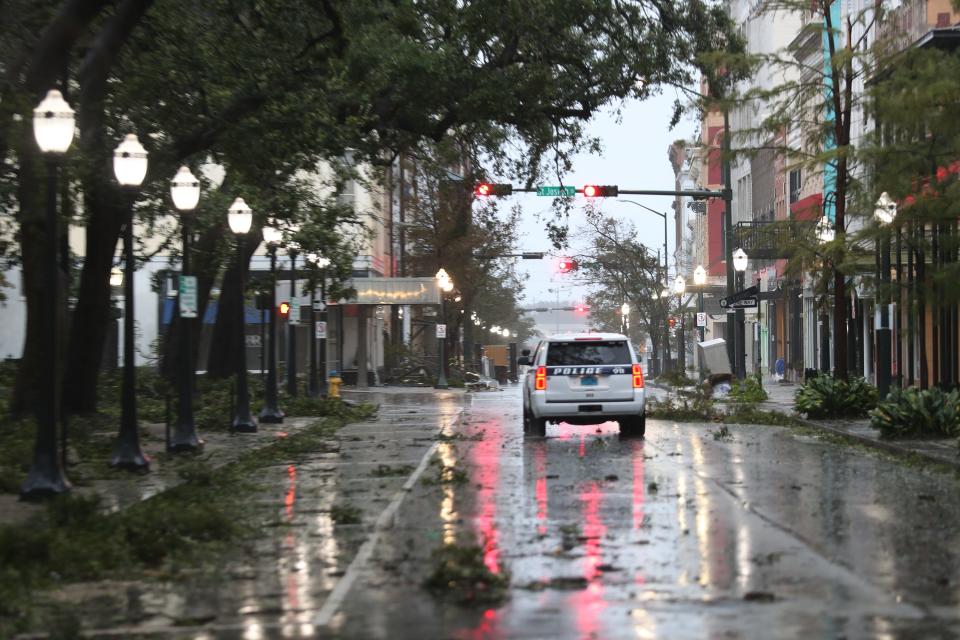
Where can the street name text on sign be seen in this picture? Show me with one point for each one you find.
(188, 296)
(556, 191)
(441, 331)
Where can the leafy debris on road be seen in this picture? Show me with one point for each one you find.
(461, 575)
(758, 596)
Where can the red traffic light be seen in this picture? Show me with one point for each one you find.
(581, 308)
(673, 322)
(567, 265)
(284, 309)
(491, 189)
(601, 191)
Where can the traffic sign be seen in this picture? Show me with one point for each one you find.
(745, 303)
(294, 311)
(319, 305)
(701, 319)
(321, 331)
(749, 292)
(188, 296)
(441, 331)
(556, 191)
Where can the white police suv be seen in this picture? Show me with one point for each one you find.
(584, 378)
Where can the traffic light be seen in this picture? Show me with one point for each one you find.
(567, 265)
(491, 189)
(673, 322)
(581, 308)
(601, 191)
(284, 309)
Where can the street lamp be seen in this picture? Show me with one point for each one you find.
(240, 217)
(700, 280)
(740, 262)
(271, 413)
(292, 249)
(625, 316)
(825, 234)
(185, 193)
(53, 128)
(130, 168)
(885, 213)
(446, 285)
(319, 263)
(679, 285)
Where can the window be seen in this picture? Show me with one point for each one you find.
(587, 353)
(795, 185)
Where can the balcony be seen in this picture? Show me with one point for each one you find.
(772, 239)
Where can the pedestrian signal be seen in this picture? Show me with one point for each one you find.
(284, 309)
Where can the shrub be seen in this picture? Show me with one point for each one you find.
(828, 397)
(675, 378)
(912, 413)
(694, 407)
(749, 391)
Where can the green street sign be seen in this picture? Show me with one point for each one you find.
(188, 296)
(556, 191)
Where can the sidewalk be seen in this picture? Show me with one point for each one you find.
(120, 489)
(780, 398)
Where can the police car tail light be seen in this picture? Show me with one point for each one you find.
(637, 377)
(540, 381)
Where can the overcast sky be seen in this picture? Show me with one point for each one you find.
(634, 156)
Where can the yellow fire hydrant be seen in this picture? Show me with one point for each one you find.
(333, 385)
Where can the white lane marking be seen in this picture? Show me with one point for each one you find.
(384, 522)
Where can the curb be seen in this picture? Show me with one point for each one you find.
(884, 445)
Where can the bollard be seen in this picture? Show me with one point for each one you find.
(333, 385)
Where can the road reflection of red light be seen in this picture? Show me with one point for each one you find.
(638, 488)
(589, 603)
(540, 469)
(291, 496)
(583, 447)
(486, 463)
(281, 434)
(485, 630)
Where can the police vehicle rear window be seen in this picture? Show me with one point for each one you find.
(587, 353)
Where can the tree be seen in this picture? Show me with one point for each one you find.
(301, 83)
(621, 269)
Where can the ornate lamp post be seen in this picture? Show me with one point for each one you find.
(446, 286)
(130, 168)
(271, 413)
(700, 280)
(240, 217)
(885, 213)
(53, 128)
(825, 234)
(319, 264)
(185, 193)
(740, 262)
(292, 249)
(679, 288)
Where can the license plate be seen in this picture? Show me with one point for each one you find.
(588, 381)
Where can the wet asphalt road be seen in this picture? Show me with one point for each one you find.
(769, 533)
(765, 533)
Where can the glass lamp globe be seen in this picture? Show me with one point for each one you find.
(442, 275)
(240, 216)
(130, 162)
(625, 309)
(185, 190)
(54, 123)
(700, 276)
(116, 277)
(679, 285)
(447, 286)
(740, 260)
(886, 209)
